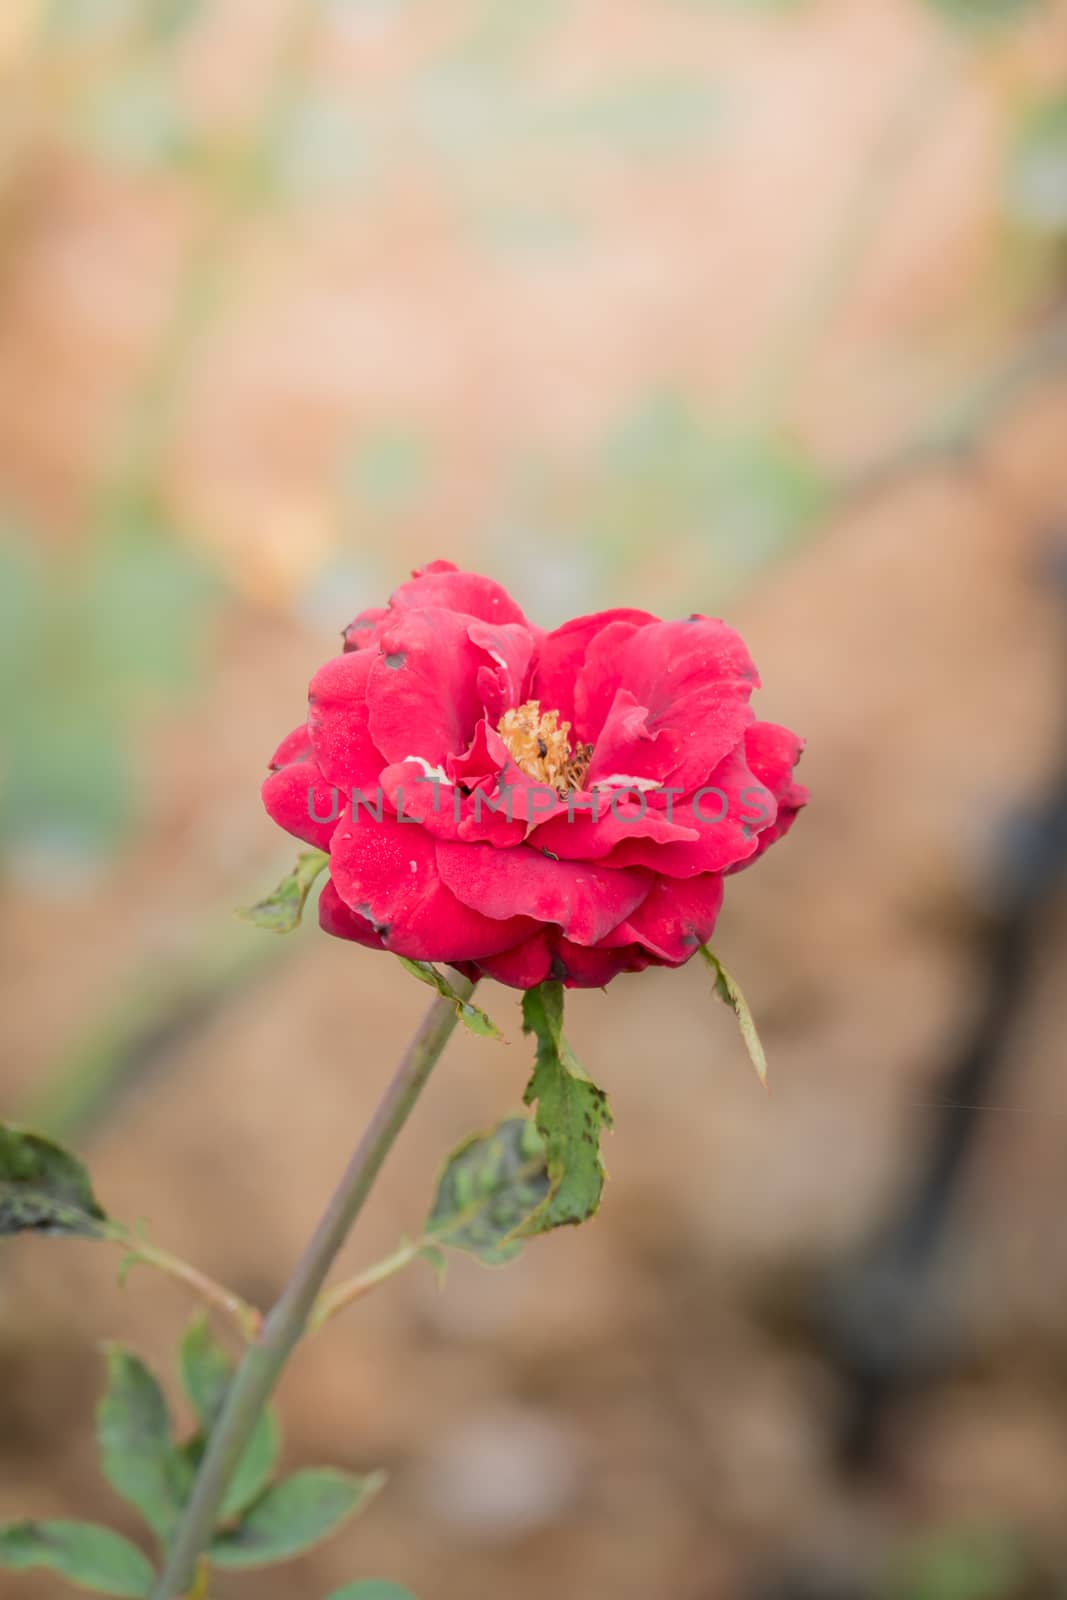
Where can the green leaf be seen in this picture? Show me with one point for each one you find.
(471, 1017)
(283, 908)
(207, 1372)
(726, 987)
(373, 1589)
(137, 1451)
(90, 1557)
(293, 1516)
(1037, 187)
(490, 1185)
(44, 1189)
(571, 1114)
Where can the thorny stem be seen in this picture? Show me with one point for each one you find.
(262, 1365)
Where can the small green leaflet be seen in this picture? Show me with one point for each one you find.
(727, 989)
(283, 908)
(90, 1557)
(469, 1015)
(206, 1372)
(293, 1516)
(44, 1189)
(136, 1444)
(491, 1184)
(571, 1114)
(373, 1589)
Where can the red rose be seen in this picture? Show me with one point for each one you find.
(531, 805)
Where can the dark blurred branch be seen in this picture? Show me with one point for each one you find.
(882, 1312)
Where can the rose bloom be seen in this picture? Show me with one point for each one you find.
(528, 805)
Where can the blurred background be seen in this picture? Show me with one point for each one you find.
(756, 308)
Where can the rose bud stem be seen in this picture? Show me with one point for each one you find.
(284, 1326)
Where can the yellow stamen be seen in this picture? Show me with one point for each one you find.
(540, 746)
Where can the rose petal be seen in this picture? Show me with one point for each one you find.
(493, 801)
(501, 682)
(414, 794)
(581, 833)
(522, 968)
(338, 723)
(560, 658)
(296, 746)
(422, 692)
(387, 872)
(579, 968)
(598, 678)
(727, 813)
(441, 583)
(585, 901)
(772, 753)
(676, 917)
(626, 748)
(299, 799)
(695, 678)
(336, 918)
(364, 630)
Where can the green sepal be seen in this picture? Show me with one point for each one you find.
(727, 988)
(282, 910)
(470, 1016)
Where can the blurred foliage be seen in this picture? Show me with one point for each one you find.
(1037, 178)
(388, 471)
(138, 123)
(160, 21)
(734, 499)
(92, 644)
(969, 1563)
(984, 13)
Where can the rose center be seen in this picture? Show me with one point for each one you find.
(540, 746)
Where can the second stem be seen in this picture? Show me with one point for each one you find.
(284, 1326)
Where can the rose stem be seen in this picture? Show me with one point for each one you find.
(284, 1326)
